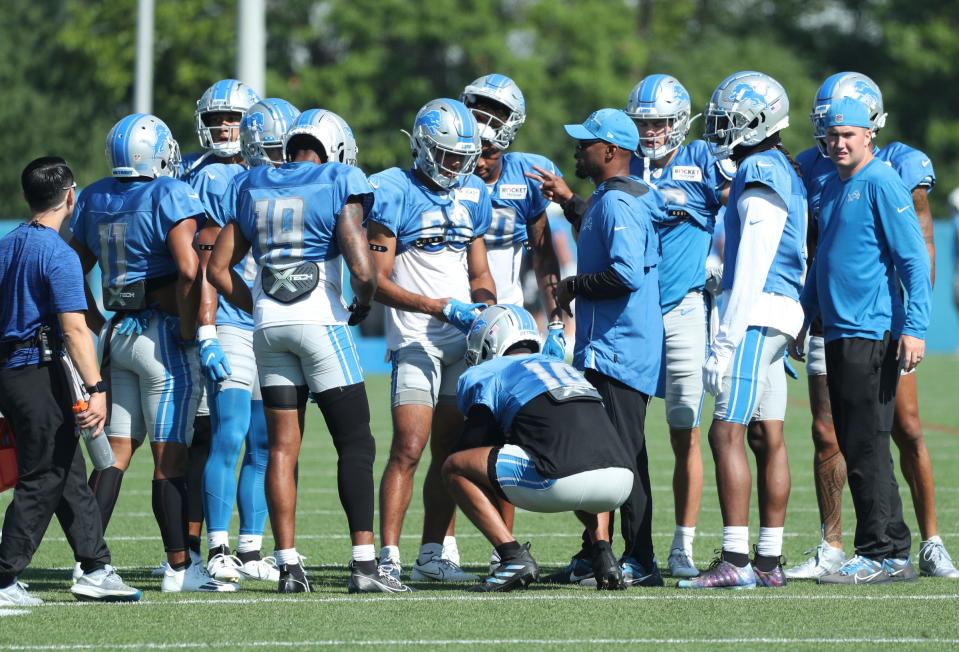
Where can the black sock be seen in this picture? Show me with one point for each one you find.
(739, 559)
(194, 544)
(183, 565)
(509, 550)
(169, 507)
(764, 563)
(198, 453)
(213, 552)
(251, 555)
(368, 566)
(105, 485)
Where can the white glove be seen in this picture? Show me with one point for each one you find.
(713, 371)
(714, 279)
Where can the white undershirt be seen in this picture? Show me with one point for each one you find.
(762, 214)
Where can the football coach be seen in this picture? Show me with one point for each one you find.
(41, 319)
(869, 241)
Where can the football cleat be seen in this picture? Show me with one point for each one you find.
(293, 579)
(379, 581)
(825, 559)
(774, 579)
(16, 595)
(261, 569)
(722, 574)
(438, 569)
(158, 571)
(934, 560)
(681, 564)
(635, 574)
(223, 566)
(391, 567)
(518, 572)
(900, 570)
(607, 572)
(193, 579)
(574, 572)
(104, 585)
(857, 570)
(494, 560)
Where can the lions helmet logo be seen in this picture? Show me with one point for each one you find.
(430, 121)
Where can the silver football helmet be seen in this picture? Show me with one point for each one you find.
(501, 90)
(661, 97)
(226, 95)
(262, 130)
(141, 145)
(330, 130)
(846, 84)
(498, 328)
(445, 142)
(745, 109)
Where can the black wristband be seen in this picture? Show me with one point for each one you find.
(100, 386)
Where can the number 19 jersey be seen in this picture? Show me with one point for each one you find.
(289, 214)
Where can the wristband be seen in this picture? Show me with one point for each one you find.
(207, 332)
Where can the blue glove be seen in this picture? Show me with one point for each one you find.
(213, 360)
(462, 315)
(790, 369)
(133, 324)
(555, 344)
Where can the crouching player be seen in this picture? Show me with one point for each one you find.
(536, 435)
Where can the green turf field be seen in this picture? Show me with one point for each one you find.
(923, 615)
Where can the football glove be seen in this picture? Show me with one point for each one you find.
(133, 324)
(713, 371)
(358, 312)
(555, 344)
(213, 360)
(462, 315)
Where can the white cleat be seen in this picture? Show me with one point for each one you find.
(681, 564)
(104, 585)
(826, 561)
(438, 569)
(193, 579)
(16, 595)
(934, 560)
(225, 567)
(159, 571)
(261, 569)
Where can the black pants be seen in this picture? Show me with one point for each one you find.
(862, 376)
(627, 410)
(53, 478)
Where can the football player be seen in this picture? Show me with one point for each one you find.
(527, 419)
(139, 225)
(302, 220)
(225, 336)
(426, 232)
(764, 262)
(829, 466)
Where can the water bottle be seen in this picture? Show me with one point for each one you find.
(98, 448)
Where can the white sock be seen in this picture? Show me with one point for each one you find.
(390, 553)
(249, 543)
(449, 542)
(736, 538)
(428, 551)
(365, 552)
(288, 557)
(683, 538)
(770, 541)
(217, 539)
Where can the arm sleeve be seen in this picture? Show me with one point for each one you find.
(480, 429)
(763, 218)
(574, 209)
(900, 226)
(601, 285)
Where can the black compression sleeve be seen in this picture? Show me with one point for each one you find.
(574, 209)
(600, 285)
(480, 429)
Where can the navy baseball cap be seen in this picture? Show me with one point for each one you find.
(847, 112)
(610, 125)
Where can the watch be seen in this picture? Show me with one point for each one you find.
(100, 386)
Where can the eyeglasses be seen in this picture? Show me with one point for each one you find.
(584, 144)
(70, 187)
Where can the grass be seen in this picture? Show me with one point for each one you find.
(802, 616)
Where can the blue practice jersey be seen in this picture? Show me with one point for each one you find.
(507, 383)
(692, 186)
(869, 238)
(192, 163)
(816, 171)
(516, 199)
(622, 337)
(212, 184)
(433, 230)
(772, 169)
(126, 223)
